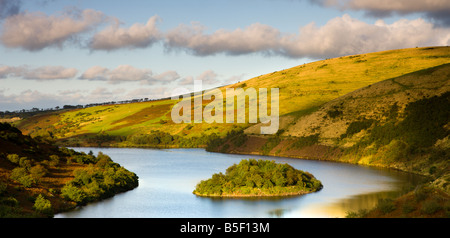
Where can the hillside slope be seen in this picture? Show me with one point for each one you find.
(302, 89)
(38, 179)
(402, 123)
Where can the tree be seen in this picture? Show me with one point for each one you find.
(37, 172)
(73, 193)
(14, 158)
(43, 205)
(20, 175)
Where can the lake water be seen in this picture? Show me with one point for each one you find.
(168, 177)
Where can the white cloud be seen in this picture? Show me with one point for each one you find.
(339, 36)
(35, 31)
(136, 36)
(437, 10)
(95, 73)
(123, 73)
(40, 73)
(345, 35)
(152, 93)
(167, 77)
(128, 73)
(401, 6)
(255, 38)
(208, 77)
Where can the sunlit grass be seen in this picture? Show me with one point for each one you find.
(301, 89)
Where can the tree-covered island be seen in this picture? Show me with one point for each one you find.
(258, 178)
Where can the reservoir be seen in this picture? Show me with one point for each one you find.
(167, 178)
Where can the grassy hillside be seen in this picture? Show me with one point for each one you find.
(302, 89)
(401, 123)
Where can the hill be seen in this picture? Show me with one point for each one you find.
(401, 123)
(302, 89)
(38, 179)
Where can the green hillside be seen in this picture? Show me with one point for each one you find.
(302, 89)
(39, 179)
(402, 123)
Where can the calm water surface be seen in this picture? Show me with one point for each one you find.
(168, 177)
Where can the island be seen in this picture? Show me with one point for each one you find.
(258, 178)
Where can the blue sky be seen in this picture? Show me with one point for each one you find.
(55, 52)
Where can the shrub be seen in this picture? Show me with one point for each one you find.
(421, 193)
(430, 207)
(271, 143)
(334, 113)
(24, 162)
(37, 172)
(54, 160)
(357, 126)
(73, 193)
(43, 205)
(20, 175)
(408, 207)
(14, 158)
(9, 201)
(306, 141)
(386, 205)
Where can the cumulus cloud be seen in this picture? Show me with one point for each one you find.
(35, 31)
(136, 36)
(345, 35)
(153, 93)
(255, 38)
(122, 73)
(208, 77)
(167, 76)
(339, 36)
(438, 10)
(40, 73)
(128, 73)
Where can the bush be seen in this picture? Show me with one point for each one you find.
(9, 201)
(54, 160)
(37, 172)
(357, 126)
(43, 206)
(306, 141)
(14, 158)
(408, 207)
(73, 193)
(26, 163)
(3, 187)
(20, 175)
(386, 205)
(430, 207)
(271, 143)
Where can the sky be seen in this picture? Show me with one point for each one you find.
(72, 52)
